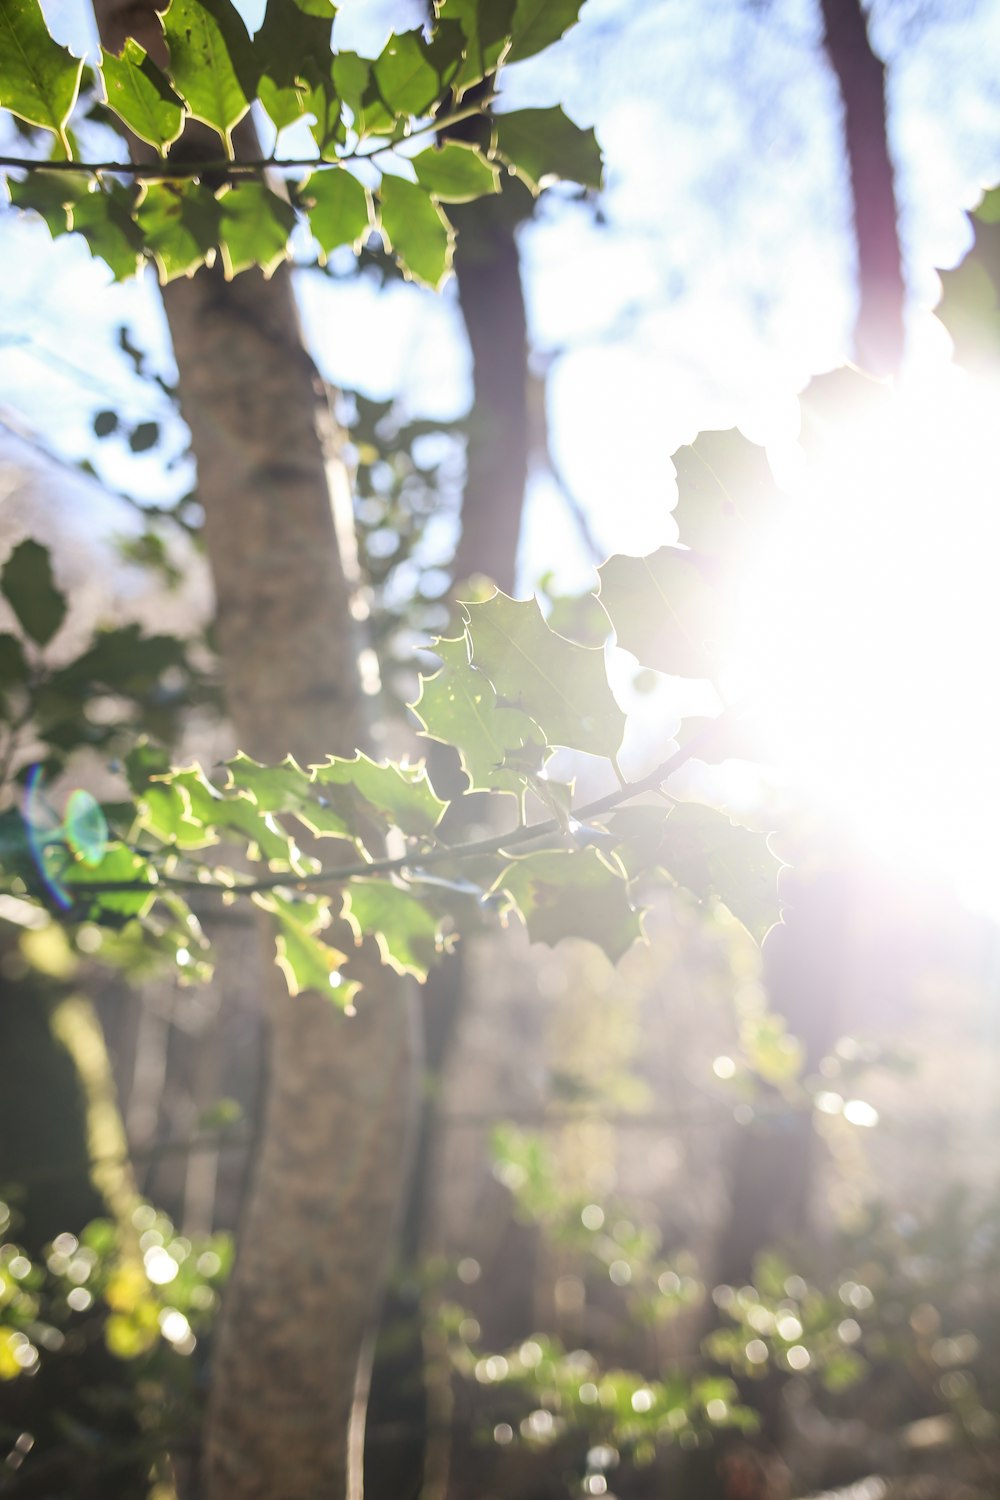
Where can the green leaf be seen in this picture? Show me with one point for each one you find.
(416, 231)
(30, 590)
(663, 610)
(561, 686)
(572, 894)
(13, 666)
(180, 225)
(211, 61)
(458, 705)
(140, 95)
(456, 172)
(397, 796)
(405, 931)
(340, 208)
(104, 218)
(118, 863)
(351, 77)
(254, 229)
(713, 857)
(539, 23)
(50, 194)
(39, 79)
(231, 815)
(411, 74)
(724, 488)
(293, 40)
(286, 788)
(486, 25)
(306, 962)
(544, 143)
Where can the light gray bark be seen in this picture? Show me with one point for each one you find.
(312, 1244)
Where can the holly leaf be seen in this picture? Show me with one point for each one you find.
(29, 588)
(715, 858)
(458, 706)
(180, 226)
(287, 788)
(340, 208)
(539, 23)
(50, 194)
(118, 863)
(104, 218)
(211, 61)
(294, 36)
(39, 79)
(140, 95)
(456, 172)
(254, 228)
(233, 815)
(412, 74)
(574, 893)
(397, 796)
(543, 144)
(486, 25)
(416, 231)
(306, 962)
(725, 491)
(663, 610)
(561, 686)
(404, 929)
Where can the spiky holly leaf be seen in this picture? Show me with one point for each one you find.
(234, 817)
(117, 864)
(715, 858)
(211, 61)
(458, 706)
(561, 686)
(486, 26)
(396, 796)
(545, 143)
(340, 208)
(141, 96)
(456, 172)
(254, 228)
(572, 893)
(180, 225)
(286, 788)
(29, 588)
(663, 610)
(39, 79)
(50, 194)
(404, 929)
(293, 39)
(104, 218)
(725, 494)
(306, 962)
(538, 23)
(416, 230)
(411, 74)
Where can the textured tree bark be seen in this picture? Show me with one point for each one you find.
(879, 327)
(312, 1245)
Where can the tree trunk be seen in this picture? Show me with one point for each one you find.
(879, 327)
(312, 1245)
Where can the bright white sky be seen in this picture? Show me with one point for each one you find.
(719, 282)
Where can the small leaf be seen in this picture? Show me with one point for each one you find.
(404, 929)
(254, 229)
(306, 962)
(458, 706)
(539, 23)
(416, 231)
(544, 143)
(117, 864)
(140, 95)
(39, 79)
(724, 488)
(286, 788)
(411, 74)
(233, 815)
(397, 796)
(30, 590)
(50, 194)
(663, 610)
(180, 225)
(486, 25)
(13, 666)
(105, 423)
(572, 894)
(293, 38)
(456, 172)
(211, 61)
(561, 686)
(104, 218)
(340, 209)
(143, 437)
(713, 857)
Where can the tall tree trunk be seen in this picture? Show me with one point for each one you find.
(319, 1215)
(879, 327)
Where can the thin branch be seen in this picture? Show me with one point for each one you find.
(219, 167)
(415, 862)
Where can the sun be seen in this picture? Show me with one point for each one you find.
(866, 631)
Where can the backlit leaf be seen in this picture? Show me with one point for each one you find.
(416, 230)
(39, 79)
(254, 228)
(663, 609)
(572, 894)
(30, 590)
(293, 38)
(50, 194)
(398, 796)
(287, 788)
(117, 864)
(411, 74)
(486, 27)
(724, 490)
(561, 686)
(211, 61)
(340, 209)
(543, 143)
(458, 705)
(538, 23)
(180, 223)
(713, 857)
(140, 95)
(456, 172)
(306, 962)
(404, 929)
(104, 218)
